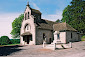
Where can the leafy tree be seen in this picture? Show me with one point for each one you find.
(16, 25)
(66, 14)
(74, 15)
(58, 21)
(4, 40)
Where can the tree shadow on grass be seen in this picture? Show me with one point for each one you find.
(7, 50)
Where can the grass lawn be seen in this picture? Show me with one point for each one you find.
(82, 39)
(14, 44)
(10, 44)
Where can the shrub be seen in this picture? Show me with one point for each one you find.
(15, 41)
(83, 38)
(4, 40)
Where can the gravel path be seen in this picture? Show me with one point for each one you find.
(78, 50)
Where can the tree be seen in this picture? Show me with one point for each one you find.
(74, 15)
(58, 21)
(16, 25)
(66, 14)
(4, 40)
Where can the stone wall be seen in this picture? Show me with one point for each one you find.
(65, 36)
(74, 38)
(39, 36)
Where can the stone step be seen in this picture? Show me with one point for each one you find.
(49, 45)
(66, 46)
(58, 46)
(52, 48)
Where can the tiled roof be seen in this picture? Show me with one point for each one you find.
(45, 24)
(36, 11)
(63, 26)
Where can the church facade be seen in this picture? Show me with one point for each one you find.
(35, 30)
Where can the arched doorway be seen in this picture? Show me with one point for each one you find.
(27, 38)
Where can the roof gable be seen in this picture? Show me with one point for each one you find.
(33, 10)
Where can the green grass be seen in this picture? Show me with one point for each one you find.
(10, 44)
(14, 44)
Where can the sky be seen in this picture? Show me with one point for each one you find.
(11, 9)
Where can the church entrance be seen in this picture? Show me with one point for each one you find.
(27, 38)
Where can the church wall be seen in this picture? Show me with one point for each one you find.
(74, 36)
(21, 40)
(39, 35)
(29, 21)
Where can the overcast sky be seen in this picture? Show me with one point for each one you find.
(11, 9)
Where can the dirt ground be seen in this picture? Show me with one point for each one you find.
(77, 50)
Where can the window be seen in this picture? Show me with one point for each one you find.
(25, 16)
(71, 35)
(43, 36)
(28, 15)
(34, 16)
(27, 27)
(58, 36)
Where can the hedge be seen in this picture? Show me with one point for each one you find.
(15, 41)
(4, 40)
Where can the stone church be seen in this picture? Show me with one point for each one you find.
(35, 30)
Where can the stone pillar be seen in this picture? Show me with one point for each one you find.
(70, 44)
(54, 46)
(21, 40)
(55, 37)
(43, 44)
